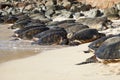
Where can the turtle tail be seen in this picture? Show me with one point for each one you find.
(89, 60)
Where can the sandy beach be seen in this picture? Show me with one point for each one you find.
(59, 64)
(19, 60)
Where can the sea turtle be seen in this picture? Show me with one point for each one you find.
(22, 17)
(20, 24)
(61, 23)
(11, 19)
(29, 26)
(1, 19)
(99, 23)
(74, 27)
(55, 35)
(28, 34)
(69, 25)
(108, 52)
(84, 36)
(97, 43)
(27, 22)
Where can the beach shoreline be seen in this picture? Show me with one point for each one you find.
(59, 64)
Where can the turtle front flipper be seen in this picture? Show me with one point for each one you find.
(89, 60)
(87, 51)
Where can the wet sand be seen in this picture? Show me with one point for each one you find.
(59, 64)
(11, 50)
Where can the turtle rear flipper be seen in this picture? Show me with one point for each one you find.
(87, 51)
(89, 60)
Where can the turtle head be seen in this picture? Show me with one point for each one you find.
(101, 35)
(64, 42)
(107, 24)
(14, 26)
(35, 39)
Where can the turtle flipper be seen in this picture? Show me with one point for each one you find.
(89, 60)
(87, 51)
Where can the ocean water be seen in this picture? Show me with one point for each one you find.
(11, 49)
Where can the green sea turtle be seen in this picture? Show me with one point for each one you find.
(22, 17)
(84, 36)
(61, 23)
(99, 23)
(55, 35)
(27, 22)
(27, 27)
(108, 52)
(28, 34)
(70, 26)
(20, 24)
(97, 43)
(11, 19)
(75, 27)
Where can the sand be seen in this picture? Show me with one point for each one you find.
(59, 64)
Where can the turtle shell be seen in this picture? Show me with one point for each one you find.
(52, 36)
(20, 24)
(28, 34)
(18, 32)
(86, 35)
(99, 23)
(110, 49)
(74, 27)
(11, 19)
(97, 43)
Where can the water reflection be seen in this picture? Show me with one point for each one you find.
(10, 50)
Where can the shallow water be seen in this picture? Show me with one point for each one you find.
(10, 50)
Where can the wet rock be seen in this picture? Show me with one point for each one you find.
(66, 14)
(59, 7)
(119, 13)
(77, 15)
(39, 16)
(66, 4)
(49, 3)
(93, 13)
(4, 5)
(118, 6)
(50, 12)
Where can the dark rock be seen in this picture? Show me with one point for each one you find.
(93, 13)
